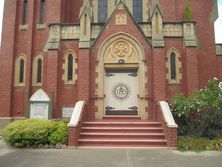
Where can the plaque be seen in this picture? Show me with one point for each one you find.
(39, 111)
(67, 112)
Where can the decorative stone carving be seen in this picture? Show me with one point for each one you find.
(70, 32)
(121, 50)
(190, 39)
(121, 19)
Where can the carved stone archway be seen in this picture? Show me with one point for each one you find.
(121, 51)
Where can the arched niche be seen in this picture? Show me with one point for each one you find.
(121, 51)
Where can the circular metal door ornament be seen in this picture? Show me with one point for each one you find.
(121, 91)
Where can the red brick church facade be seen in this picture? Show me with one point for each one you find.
(66, 47)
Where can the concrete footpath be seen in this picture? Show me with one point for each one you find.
(106, 158)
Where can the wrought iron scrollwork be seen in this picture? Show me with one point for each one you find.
(134, 108)
(134, 74)
(109, 108)
(108, 74)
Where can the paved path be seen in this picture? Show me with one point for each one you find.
(108, 158)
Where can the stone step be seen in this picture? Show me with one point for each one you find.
(123, 142)
(123, 129)
(121, 117)
(121, 124)
(124, 135)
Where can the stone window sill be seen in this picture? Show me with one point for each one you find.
(41, 26)
(19, 85)
(23, 27)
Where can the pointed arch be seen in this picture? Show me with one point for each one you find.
(134, 60)
(174, 65)
(37, 70)
(20, 70)
(70, 67)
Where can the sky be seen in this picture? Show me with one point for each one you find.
(218, 23)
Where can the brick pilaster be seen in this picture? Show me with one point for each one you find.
(6, 56)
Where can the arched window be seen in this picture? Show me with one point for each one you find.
(157, 23)
(85, 24)
(173, 65)
(19, 79)
(70, 67)
(137, 10)
(21, 71)
(102, 11)
(24, 12)
(39, 71)
(42, 12)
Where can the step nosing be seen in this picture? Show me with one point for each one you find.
(136, 134)
(130, 123)
(123, 128)
(119, 140)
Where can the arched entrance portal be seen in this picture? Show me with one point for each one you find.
(121, 77)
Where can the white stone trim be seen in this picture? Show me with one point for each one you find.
(167, 114)
(77, 114)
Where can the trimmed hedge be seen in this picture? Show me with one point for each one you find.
(34, 132)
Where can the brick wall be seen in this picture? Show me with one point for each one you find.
(198, 64)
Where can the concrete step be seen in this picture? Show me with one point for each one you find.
(121, 124)
(124, 135)
(122, 142)
(123, 129)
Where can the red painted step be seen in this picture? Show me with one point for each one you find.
(122, 131)
(122, 143)
(121, 117)
(122, 135)
(121, 124)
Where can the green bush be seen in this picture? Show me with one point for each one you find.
(194, 144)
(60, 133)
(200, 115)
(218, 145)
(33, 132)
(187, 15)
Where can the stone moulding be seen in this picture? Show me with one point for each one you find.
(183, 29)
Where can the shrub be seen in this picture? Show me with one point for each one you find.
(33, 132)
(200, 115)
(218, 145)
(195, 144)
(187, 15)
(60, 133)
